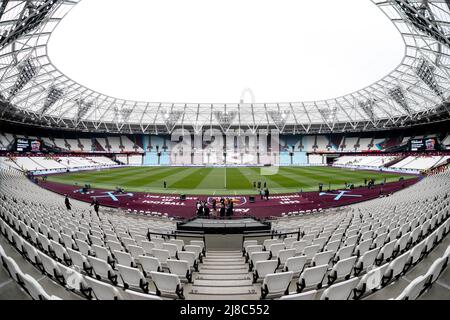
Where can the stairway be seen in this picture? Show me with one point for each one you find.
(223, 275)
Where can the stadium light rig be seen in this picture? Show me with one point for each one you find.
(27, 71)
(225, 119)
(53, 96)
(422, 19)
(368, 108)
(83, 108)
(31, 17)
(171, 119)
(425, 71)
(279, 118)
(398, 96)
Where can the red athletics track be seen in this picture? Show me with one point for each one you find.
(275, 206)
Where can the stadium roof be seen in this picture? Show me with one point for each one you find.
(34, 91)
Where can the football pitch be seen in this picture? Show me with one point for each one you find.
(222, 181)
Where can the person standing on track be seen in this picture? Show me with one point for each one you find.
(96, 205)
(67, 203)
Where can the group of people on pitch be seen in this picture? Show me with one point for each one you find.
(222, 209)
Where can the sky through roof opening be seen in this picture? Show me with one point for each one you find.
(212, 51)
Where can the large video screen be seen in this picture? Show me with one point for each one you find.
(28, 145)
(429, 144)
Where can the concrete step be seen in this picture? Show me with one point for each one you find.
(223, 277)
(223, 283)
(223, 263)
(214, 259)
(223, 290)
(224, 271)
(222, 267)
(223, 251)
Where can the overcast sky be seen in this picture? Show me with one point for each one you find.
(211, 50)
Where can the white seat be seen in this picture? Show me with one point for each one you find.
(308, 295)
(150, 264)
(97, 241)
(380, 240)
(366, 261)
(253, 248)
(124, 258)
(84, 247)
(322, 258)
(299, 246)
(13, 269)
(276, 248)
(180, 268)
(132, 277)
(435, 270)
(179, 243)
(148, 246)
(35, 290)
(166, 282)
(44, 242)
(78, 260)
(190, 257)
(320, 241)
(114, 245)
(161, 255)
(312, 276)
(342, 269)
(133, 295)
(71, 279)
(344, 253)
(310, 251)
(333, 246)
(136, 251)
(295, 264)
(68, 241)
(171, 248)
(268, 242)
(18, 241)
(102, 269)
(128, 242)
(103, 291)
(340, 291)
(59, 252)
(289, 241)
(248, 243)
(262, 268)
(371, 281)
(198, 250)
(363, 247)
(199, 243)
(283, 255)
(402, 243)
(258, 256)
(351, 241)
(158, 242)
(413, 289)
(49, 265)
(415, 235)
(386, 252)
(103, 253)
(276, 283)
(416, 253)
(430, 242)
(308, 239)
(397, 266)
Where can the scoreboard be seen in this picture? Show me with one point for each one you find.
(429, 144)
(28, 145)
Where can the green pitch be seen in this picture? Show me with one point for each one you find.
(221, 181)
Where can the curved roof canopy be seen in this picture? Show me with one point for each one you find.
(33, 90)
